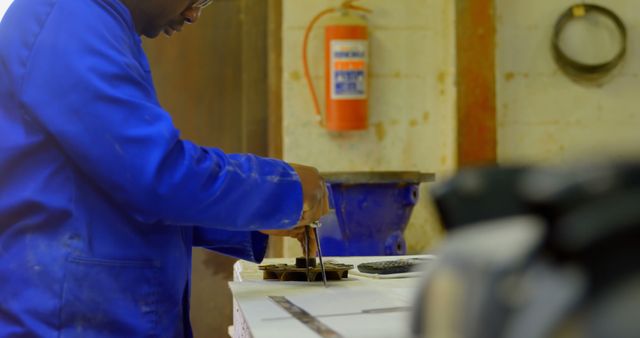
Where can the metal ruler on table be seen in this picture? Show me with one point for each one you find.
(306, 318)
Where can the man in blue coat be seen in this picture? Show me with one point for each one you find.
(100, 199)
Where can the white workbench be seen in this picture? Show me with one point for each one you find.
(339, 306)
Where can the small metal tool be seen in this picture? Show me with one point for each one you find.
(315, 225)
(306, 246)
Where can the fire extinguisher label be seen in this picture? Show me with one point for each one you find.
(349, 60)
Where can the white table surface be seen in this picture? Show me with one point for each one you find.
(338, 306)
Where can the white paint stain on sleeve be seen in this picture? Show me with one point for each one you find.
(4, 5)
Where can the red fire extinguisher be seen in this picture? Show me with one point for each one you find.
(346, 46)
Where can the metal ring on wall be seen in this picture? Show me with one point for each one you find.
(583, 72)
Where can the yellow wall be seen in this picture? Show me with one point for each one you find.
(412, 105)
(542, 115)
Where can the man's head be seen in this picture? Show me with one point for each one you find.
(151, 17)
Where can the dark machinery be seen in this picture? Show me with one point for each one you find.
(536, 253)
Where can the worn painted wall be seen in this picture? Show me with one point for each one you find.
(412, 105)
(542, 115)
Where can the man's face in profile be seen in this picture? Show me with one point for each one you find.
(168, 16)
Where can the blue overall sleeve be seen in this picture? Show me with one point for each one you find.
(99, 106)
(248, 245)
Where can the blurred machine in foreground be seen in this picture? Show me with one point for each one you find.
(369, 212)
(536, 253)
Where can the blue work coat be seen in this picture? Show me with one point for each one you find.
(100, 199)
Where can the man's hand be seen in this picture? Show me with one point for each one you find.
(315, 199)
(315, 204)
(297, 233)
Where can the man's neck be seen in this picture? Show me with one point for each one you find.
(134, 11)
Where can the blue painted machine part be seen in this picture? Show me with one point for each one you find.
(368, 218)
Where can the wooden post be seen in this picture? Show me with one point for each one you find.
(274, 76)
(254, 77)
(274, 96)
(475, 48)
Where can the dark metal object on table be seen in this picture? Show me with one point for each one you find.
(305, 267)
(393, 266)
(290, 272)
(583, 72)
(303, 262)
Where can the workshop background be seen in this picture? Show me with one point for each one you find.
(453, 84)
